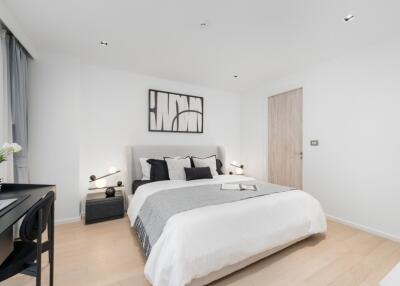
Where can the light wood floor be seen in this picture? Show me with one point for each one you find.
(108, 254)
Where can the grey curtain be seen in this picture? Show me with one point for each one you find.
(18, 61)
(6, 168)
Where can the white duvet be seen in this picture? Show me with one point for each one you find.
(197, 242)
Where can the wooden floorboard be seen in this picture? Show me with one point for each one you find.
(108, 253)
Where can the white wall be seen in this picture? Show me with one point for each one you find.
(351, 105)
(85, 116)
(54, 90)
(114, 112)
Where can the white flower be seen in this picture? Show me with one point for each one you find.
(10, 148)
(16, 147)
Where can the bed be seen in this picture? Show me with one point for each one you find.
(203, 244)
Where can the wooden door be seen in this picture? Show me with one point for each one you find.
(285, 138)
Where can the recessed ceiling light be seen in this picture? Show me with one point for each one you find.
(104, 43)
(203, 25)
(349, 18)
(235, 76)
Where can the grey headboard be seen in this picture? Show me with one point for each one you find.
(134, 171)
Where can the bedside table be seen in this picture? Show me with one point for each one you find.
(99, 208)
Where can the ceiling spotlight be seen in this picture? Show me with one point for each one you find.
(203, 25)
(349, 18)
(104, 43)
(235, 76)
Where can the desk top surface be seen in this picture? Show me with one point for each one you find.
(33, 194)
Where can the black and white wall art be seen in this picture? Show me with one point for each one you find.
(174, 112)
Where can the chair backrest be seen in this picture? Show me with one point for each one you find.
(30, 225)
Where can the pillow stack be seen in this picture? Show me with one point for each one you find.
(181, 168)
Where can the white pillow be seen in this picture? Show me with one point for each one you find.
(210, 162)
(145, 168)
(176, 167)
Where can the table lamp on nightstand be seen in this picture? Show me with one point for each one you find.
(101, 183)
(239, 168)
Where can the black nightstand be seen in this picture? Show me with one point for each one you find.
(99, 208)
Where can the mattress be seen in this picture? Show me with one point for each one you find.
(199, 244)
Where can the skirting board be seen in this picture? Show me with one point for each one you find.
(364, 228)
(67, 220)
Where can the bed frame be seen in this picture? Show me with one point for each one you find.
(213, 276)
(134, 172)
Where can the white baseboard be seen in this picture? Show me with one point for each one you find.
(67, 220)
(364, 228)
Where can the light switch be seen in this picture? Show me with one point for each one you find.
(314, 143)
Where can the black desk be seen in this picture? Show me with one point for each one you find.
(14, 214)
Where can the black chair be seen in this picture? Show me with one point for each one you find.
(27, 250)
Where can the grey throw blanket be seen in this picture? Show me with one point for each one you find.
(159, 207)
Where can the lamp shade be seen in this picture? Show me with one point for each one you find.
(101, 183)
(239, 171)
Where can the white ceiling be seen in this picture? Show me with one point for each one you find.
(256, 39)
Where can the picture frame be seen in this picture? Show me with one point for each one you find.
(175, 112)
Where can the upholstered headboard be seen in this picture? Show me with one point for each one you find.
(134, 170)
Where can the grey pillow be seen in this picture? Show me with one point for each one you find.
(176, 167)
(210, 162)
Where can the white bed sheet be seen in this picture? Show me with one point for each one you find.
(197, 242)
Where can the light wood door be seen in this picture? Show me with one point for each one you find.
(285, 138)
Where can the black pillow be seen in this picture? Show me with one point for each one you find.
(219, 167)
(198, 173)
(158, 170)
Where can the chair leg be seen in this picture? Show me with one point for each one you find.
(49, 235)
(51, 255)
(39, 250)
(51, 250)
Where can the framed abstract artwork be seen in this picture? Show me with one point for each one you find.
(175, 112)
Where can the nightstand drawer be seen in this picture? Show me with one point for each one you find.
(102, 209)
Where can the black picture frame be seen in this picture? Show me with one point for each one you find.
(152, 110)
